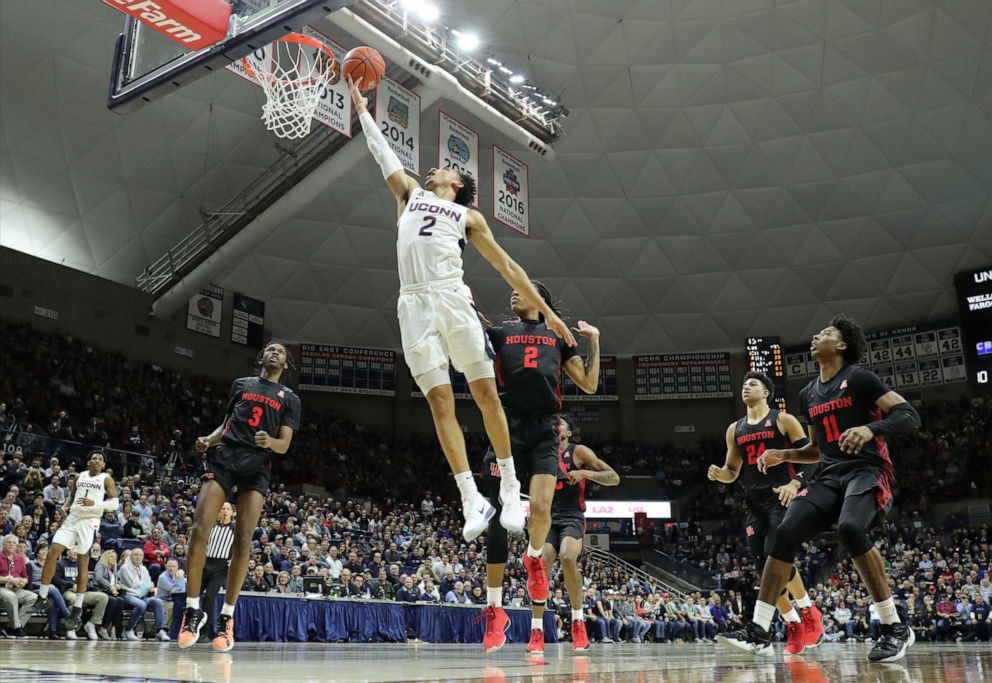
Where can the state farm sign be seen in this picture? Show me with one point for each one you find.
(194, 24)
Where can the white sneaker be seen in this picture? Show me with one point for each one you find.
(162, 635)
(512, 517)
(70, 635)
(90, 631)
(129, 634)
(478, 512)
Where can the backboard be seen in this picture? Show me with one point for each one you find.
(148, 66)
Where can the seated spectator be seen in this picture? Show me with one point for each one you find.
(104, 579)
(57, 609)
(255, 581)
(408, 593)
(156, 554)
(456, 595)
(170, 586)
(16, 598)
(134, 578)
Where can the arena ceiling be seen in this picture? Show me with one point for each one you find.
(729, 168)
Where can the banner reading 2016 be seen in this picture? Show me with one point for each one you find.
(510, 205)
(458, 148)
(397, 113)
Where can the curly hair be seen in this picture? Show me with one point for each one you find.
(765, 380)
(545, 292)
(466, 193)
(853, 336)
(290, 363)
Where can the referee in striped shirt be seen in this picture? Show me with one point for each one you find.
(218, 558)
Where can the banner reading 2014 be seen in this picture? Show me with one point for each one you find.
(458, 148)
(510, 205)
(397, 113)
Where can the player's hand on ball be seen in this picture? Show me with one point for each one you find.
(558, 326)
(787, 492)
(852, 440)
(770, 458)
(587, 330)
(202, 444)
(357, 98)
(262, 439)
(713, 473)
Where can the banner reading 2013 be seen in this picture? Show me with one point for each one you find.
(397, 113)
(458, 148)
(510, 205)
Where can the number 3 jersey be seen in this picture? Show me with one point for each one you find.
(258, 405)
(752, 441)
(529, 357)
(831, 408)
(430, 238)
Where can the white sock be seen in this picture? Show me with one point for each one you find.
(534, 552)
(507, 470)
(537, 623)
(43, 591)
(227, 609)
(763, 614)
(577, 615)
(466, 485)
(79, 600)
(791, 617)
(193, 602)
(494, 596)
(804, 602)
(887, 611)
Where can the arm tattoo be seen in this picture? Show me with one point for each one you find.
(606, 477)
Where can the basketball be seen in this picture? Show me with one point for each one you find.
(365, 66)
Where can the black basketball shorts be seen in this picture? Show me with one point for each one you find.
(566, 524)
(764, 514)
(828, 492)
(248, 469)
(535, 444)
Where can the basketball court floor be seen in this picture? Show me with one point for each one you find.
(85, 662)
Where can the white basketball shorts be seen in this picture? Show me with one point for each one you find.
(76, 534)
(440, 322)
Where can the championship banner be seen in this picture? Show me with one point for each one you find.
(397, 113)
(682, 376)
(347, 369)
(334, 108)
(510, 191)
(203, 314)
(248, 325)
(458, 148)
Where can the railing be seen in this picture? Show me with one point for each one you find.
(614, 561)
(686, 572)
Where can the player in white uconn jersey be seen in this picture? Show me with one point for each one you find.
(93, 494)
(438, 320)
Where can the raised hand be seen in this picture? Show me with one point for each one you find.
(587, 330)
(357, 98)
(558, 326)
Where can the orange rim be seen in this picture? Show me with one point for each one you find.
(300, 39)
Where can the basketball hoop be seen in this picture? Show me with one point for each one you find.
(293, 72)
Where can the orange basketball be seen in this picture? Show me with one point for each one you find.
(365, 66)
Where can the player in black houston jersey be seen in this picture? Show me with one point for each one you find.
(262, 414)
(529, 361)
(576, 464)
(767, 494)
(849, 413)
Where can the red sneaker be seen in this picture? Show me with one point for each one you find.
(795, 641)
(812, 625)
(497, 624)
(536, 644)
(580, 640)
(537, 580)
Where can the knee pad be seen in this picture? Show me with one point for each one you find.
(434, 377)
(482, 369)
(854, 537)
(783, 544)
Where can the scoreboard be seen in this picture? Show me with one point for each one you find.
(347, 369)
(765, 354)
(682, 376)
(904, 358)
(974, 292)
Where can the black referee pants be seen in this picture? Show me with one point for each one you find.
(214, 578)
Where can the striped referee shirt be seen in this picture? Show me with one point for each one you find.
(220, 542)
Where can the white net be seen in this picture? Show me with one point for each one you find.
(293, 72)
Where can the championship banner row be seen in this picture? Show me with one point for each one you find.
(397, 112)
(204, 314)
(904, 358)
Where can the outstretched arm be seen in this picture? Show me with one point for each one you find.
(481, 236)
(585, 375)
(732, 464)
(398, 181)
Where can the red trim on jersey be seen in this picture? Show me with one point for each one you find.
(561, 448)
(582, 495)
(792, 470)
(883, 497)
(498, 366)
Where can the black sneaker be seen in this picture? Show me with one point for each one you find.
(892, 644)
(193, 621)
(752, 638)
(20, 633)
(72, 621)
(42, 604)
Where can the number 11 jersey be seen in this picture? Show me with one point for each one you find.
(831, 408)
(430, 237)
